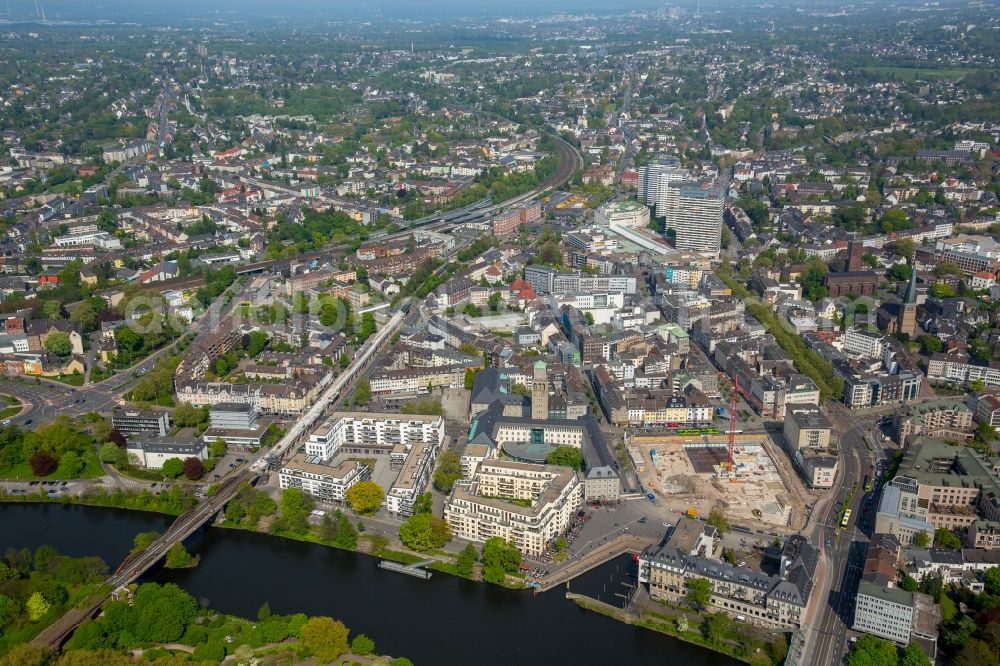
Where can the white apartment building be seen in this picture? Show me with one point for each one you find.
(415, 380)
(695, 214)
(958, 368)
(480, 508)
(101, 239)
(554, 432)
(654, 177)
(886, 612)
(639, 414)
(859, 342)
(410, 442)
(365, 430)
(324, 482)
(415, 463)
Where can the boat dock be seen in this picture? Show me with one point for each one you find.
(416, 569)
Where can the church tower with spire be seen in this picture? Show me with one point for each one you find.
(908, 316)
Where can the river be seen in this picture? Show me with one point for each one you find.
(441, 621)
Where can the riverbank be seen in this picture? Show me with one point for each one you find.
(374, 545)
(715, 632)
(152, 620)
(241, 570)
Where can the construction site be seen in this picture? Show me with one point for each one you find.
(691, 473)
(740, 473)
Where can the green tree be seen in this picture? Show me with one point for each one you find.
(922, 540)
(914, 656)
(872, 651)
(958, 633)
(52, 310)
(942, 290)
(37, 607)
(699, 592)
(991, 580)
(295, 509)
(716, 625)
(975, 653)
(71, 465)
(812, 278)
(465, 565)
(187, 416)
(899, 272)
(449, 470)
(423, 504)
(324, 637)
(362, 645)
(501, 554)
(59, 343)
(143, 540)
(8, 610)
(470, 378)
(365, 497)
(347, 535)
(930, 344)
(363, 392)
(126, 339)
(945, 538)
(718, 520)
(179, 558)
(424, 532)
(173, 467)
(109, 452)
(565, 456)
(944, 268)
(909, 584)
(905, 248)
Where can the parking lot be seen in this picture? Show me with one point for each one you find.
(51, 488)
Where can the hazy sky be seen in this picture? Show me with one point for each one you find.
(159, 9)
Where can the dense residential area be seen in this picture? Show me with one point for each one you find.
(682, 315)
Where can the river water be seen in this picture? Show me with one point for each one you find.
(441, 621)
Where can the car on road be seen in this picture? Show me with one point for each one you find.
(829, 544)
(643, 519)
(6, 422)
(651, 497)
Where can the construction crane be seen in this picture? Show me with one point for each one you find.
(752, 399)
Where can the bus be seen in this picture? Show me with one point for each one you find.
(846, 519)
(868, 484)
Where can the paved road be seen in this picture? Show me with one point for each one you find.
(831, 606)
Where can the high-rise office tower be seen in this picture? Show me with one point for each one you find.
(695, 214)
(653, 177)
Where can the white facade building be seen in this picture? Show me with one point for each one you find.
(361, 429)
(481, 508)
(695, 214)
(324, 482)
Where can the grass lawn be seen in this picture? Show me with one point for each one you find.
(72, 380)
(13, 407)
(62, 188)
(92, 470)
(911, 73)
